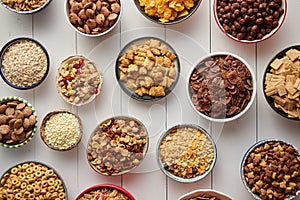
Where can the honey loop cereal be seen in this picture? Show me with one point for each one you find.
(31, 181)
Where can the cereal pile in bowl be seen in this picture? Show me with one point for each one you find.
(205, 194)
(117, 145)
(78, 81)
(32, 180)
(186, 153)
(147, 69)
(282, 83)
(25, 7)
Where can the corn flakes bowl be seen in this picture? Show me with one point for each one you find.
(147, 69)
(167, 12)
(281, 83)
(20, 182)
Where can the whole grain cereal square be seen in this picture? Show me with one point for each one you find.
(276, 63)
(293, 54)
(297, 84)
(281, 90)
(290, 88)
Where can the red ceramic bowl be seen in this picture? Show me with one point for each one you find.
(109, 186)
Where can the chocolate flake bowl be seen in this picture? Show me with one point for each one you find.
(159, 19)
(283, 101)
(225, 79)
(40, 5)
(205, 194)
(102, 190)
(278, 163)
(18, 52)
(17, 112)
(152, 77)
(232, 28)
(186, 153)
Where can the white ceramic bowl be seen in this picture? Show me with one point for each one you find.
(26, 11)
(200, 192)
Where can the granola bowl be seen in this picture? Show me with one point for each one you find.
(186, 153)
(225, 79)
(281, 83)
(250, 21)
(270, 169)
(117, 145)
(24, 63)
(147, 69)
(205, 194)
(177, 13)
(78, 80)
(61, 130)
(25, 7)
(18, 122)
(19, 182)
(101, 191)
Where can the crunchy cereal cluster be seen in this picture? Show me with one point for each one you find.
(167, 10)
(282, 83)
(148, 68)
(105, 194)
(24, 5)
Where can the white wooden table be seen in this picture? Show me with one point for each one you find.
(191, 39)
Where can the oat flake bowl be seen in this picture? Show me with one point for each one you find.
(270, 169)
(102, 191)
(250, 21)
(225, 79)
(24, 63)
(78, 80)
(32, 180)
(25, 7)
(281, 83)
(186, 153)
(93, 18)
(117, 145)
(18, 121)
(147, 69)
(205, 194)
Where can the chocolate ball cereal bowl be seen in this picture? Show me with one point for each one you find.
(207, 194)
(281, 83)
(221, 87)
(104, 190)
(18, 122)
(24, 63)
(117, 145)
(25, 7)
(21, 182)
(93, 18)
(186, 153)
(169, 13)
(147, 69)
(61, 130)
(270, 169)
(78, 80)
(249, 21)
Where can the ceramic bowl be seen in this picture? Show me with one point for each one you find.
(25, 11)
(205, 193)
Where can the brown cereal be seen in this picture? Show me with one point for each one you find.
(204, 197)
(105, 193)
(22, 5)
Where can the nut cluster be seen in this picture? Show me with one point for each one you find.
(204, 197)
(94, 16)
(249, 19)
(186, 152)
(272, 170)
(32, 181)
(148, 68)
(220, 86)
(17, 122)
(117, 145)
(78, 80)
(105, 193)
(24, 5)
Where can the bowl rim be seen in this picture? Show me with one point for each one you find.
(47, 165)
(251, 148)
(29, 11)
(67, 9)
(145, 149)
(106, 185)
(176, 21)
(12, 42)
(177, 178)
(12, 98)
(270, 100)
(253, 95)
(132, 94)
(282, 19)
(45, 119)
(203, 191)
